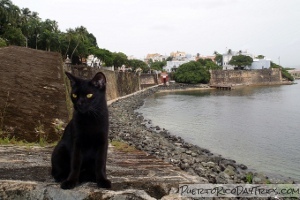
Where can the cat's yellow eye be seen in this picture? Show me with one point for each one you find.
(74, 96)
(89, 95)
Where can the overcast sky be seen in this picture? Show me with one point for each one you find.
(139, 27)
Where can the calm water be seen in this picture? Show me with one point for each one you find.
(256, 126)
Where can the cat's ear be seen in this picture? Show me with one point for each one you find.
(99, 80)
(72, 78)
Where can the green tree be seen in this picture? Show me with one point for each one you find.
(241, 61)
(104, 55)
(192, 72)
(34, 29)
(158, 65)
(119, 59)
(170, 58)
(49, 37)
(25, 17)
(219, 58)
(14, 36)
(208, 64)
(135, 64)
(79, 36)
(260, 57)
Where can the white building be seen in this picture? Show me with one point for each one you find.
(173, 65)
(93, 61)
(257, 63)
(261, 64)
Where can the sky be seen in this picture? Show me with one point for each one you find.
(138, 27)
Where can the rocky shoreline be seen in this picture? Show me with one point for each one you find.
(129, 126)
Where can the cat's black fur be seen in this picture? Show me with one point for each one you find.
(80, 156)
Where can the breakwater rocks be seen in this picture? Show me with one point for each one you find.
(128, 125)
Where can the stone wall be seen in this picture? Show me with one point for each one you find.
(245, 77)
(118, 83)
(148, 80)
(32, 93)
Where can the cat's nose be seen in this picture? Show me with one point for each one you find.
(79, 102)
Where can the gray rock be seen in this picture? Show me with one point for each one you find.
(230, 170)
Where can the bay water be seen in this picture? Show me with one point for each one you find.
(256, 126)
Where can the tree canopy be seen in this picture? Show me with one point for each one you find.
(241, 61)
(158, 65)
(192, 72)
(135, 64)
(23, 27)
(219, 58)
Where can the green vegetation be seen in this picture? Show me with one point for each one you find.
(285, 74)
(219, 58)
(135, 64)
(122, 146)
(158, 65)
(241, 61)
(195, 71)
(2, 42)
(249, 178)
(23, 27)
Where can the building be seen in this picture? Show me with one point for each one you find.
(206, 57)
(178, 55)
(257, 63)
(260, 64)
(173, 65)
(155, 57)
(93, 61)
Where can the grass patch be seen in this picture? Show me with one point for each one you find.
(122, 146)
(6, 140)
(13, 141)
(249, 178)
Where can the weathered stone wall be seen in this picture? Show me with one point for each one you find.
(118, 83)
(32, 93)
(245, 77)
(148, 80)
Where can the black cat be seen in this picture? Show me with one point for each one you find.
(80, 156)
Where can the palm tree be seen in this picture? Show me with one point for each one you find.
(68, 36)
(9, 15)
(80, 37)
(25, 16)
(49, 34)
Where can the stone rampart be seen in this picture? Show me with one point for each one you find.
(32, 93)
(245, 77)
(149, 80)
(118, 83)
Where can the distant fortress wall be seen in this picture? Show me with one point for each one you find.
(118, 83)
(246, 77)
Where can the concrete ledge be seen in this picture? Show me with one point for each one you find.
(25, 174)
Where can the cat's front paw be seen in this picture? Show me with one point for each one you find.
(66, 185)
(104, 183)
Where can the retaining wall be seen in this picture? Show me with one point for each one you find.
(245, 77)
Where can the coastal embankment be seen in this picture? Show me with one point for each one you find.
(130, 126)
